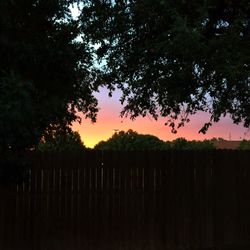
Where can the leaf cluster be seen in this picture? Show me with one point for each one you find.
(244, 145)
(183, 144)
(174, 58)
(57, 139)
(45, 71)
(132, 141)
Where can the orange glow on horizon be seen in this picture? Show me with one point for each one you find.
(109, 119)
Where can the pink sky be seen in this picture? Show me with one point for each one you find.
(109, 119)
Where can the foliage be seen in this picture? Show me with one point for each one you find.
(18, 126)
(45, 76)
(60, 140)
(183, 144)
(131, 140)
(244, 145)
(174, 58)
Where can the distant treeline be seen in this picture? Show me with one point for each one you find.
(125, 141)
(131, 140)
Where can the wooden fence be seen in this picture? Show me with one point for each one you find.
(129, 200)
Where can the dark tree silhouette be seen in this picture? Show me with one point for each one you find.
(244, 145)
(132, 141)
(175, 58)
(60, 140)
(183, 144)
(45, 76)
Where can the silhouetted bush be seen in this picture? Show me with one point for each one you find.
(244, 145)
(132, 141)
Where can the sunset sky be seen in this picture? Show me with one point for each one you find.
(109, 119)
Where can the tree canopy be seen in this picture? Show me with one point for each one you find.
(244, 145)
(169, 58)
(60, 140)
(183, 144)
(131, 141)
(45, 71)
(174, 58)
